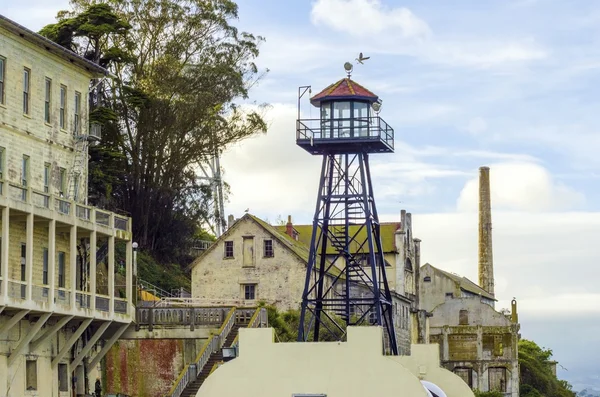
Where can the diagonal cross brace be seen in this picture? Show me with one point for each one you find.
(88, 346)
(107, 346)
(28, 337)
(71, 341)
(4, 329)
(50, 332)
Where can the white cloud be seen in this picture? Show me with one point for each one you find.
(476, 126)
(521, 186)
(367, 18)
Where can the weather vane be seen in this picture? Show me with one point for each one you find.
(348, 66)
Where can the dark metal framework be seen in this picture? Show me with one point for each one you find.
(346, 235)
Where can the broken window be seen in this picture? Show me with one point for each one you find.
(31, 375)
(497, 379)
(463, 317)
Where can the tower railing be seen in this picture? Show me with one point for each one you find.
(358, 128)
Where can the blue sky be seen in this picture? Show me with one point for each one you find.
(510, 84)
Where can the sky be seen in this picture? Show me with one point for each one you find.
(509, 84)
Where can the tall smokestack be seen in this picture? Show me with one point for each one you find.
(486, 260)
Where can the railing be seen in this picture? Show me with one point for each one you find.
(39, 293)
(201, 302)
(258, 319)
(152, 316)
(102, 218)
(17, 289)
(63, 296)
(355, 129)
(102, 303)
(63, 206)
(40, 199)
(83, 300)
(82, 212)
(120, 305)
(120, 223)
(17, 192)
(186, 376)
(214, 344)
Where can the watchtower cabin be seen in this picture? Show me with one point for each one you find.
(349, 121)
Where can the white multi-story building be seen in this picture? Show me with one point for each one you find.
(65, 267)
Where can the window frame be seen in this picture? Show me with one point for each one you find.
(29, 377)
(268, 250)
(47, 100)
(77, 114)
(228, 252)
(26, 91)
(61, 270)
(2, 80)
(62, 116)
(62, 182)
(249, 290)
(45, 266)
(2, 157)
(63, 377)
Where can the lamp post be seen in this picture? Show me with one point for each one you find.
(135, 295)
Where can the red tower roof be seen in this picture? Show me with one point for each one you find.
(344, 89)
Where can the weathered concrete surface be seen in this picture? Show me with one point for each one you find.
(147, 368)
(171, 332)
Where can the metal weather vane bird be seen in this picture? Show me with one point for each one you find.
(360, 58)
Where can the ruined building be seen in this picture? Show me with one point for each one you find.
(476, 342)
(61, 305)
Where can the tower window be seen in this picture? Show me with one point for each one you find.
(408, 265)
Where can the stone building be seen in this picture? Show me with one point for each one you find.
(254, 261)
(476, 342)
(60, 309)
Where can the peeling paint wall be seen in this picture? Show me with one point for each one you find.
(147, 368)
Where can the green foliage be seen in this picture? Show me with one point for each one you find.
(286, 325)
(179, 67)
(167, 276)
(537, 378)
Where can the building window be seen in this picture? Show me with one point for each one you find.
(427, 279)
(63, 378)
(26, 78)
(62, 181)
(449, 295)
(75, 187)
(23, 269)
(63, 103)
(1, 165)
(249, 291)
(48, 97)
(61, 270)
(463, 317)
(77, 113)
(268, 249)
(31, 375)
(408, 265)
(497, 379)
(465, 374)
(46, 183)
(2, 73)
(45, 267)
(228, 249)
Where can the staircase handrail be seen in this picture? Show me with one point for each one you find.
(258, 318)
(186, 376)
(213, 345)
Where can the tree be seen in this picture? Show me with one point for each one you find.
(537, 378)
(179, 67)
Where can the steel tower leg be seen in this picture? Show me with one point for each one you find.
(345, 280)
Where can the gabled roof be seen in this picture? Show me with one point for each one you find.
(51, 46)
(345, 88)
(387, 231)
(296, 247)
(464, 283)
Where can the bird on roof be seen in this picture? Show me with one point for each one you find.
(360, 58)
(247, 210)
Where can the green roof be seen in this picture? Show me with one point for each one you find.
(387, 231)
(464, 283)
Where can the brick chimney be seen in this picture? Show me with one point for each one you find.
(289, 227)
(486, 260)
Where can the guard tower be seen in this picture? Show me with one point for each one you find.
(345, 277)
